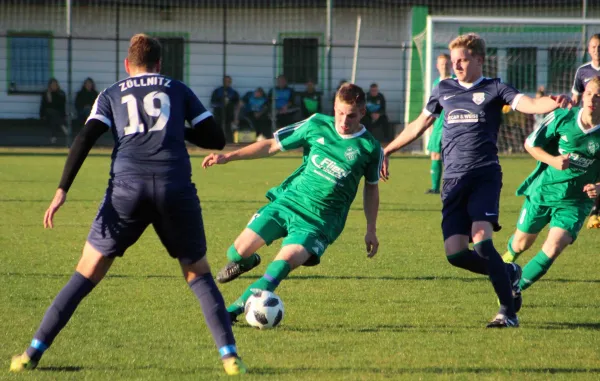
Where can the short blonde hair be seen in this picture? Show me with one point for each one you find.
(595, 80)
(444, 55)
(471, 41)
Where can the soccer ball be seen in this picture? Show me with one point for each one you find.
(264, 310)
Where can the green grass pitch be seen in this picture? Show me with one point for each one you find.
(406, 314)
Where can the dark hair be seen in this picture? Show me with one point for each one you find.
(144, 51)
(50, 81)
(92, 81)
(373, 85)
(351, 94)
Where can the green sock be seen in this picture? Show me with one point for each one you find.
(535, 269)
(276, 272)
(511, 250)
(234, 256)
(436, 174)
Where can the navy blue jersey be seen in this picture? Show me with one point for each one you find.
(583, 75)
(471, 121)
(147, 115)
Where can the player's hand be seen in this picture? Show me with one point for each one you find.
(59, 198)
(372, 244)
(214, 159)
(385, 168)
(561, 162)
(563, 101)
(592, 190)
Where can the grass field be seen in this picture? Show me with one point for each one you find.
(406, 314)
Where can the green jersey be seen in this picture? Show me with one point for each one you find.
(561, 133)
(333, 166)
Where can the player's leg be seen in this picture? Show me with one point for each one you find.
(289, 257)
(92, 267)
(180, 227)
(199, 278)
(564, 227)
(456, 228)
(242, 256)
(120, 221)
(435, 147)
(264, 227)
(532, 219)
(483, 209)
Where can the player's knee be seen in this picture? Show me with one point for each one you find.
(520, 243)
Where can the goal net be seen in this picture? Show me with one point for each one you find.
(532, 54)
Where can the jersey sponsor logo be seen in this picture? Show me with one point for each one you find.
(144, 81)
(592, 147)
(446, 97)
(329, 166)
(580, 161)
(478, 98)
(351, 153)
(321, 140)
(461, 116)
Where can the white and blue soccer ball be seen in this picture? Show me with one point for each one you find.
(264, 310)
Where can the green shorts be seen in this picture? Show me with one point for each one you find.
(281, 219)
(533, 217)
(435, 140)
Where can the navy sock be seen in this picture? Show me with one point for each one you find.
(215, 314)
(59, 313)
(498, 276)
(469, 260)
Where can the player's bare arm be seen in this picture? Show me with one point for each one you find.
(82, 145)
(560, 162)
(411, 133)
(257, 150)
(542, 105)
(371, 207)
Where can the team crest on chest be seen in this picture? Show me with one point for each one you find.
(478, 98)
(592, 148)
(351, 153)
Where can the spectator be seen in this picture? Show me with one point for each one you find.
(255, 107)
(53, 109)
(85, 100)
(310, 100)
(376, 120)
(283, 95)
(225, 102)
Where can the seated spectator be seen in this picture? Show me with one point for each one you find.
(283, 95)
(84, 100)
(376, 120)
(53, 110)
(225, 103)
(310, 100)
(255, 109)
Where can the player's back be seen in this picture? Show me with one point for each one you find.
(147, 115)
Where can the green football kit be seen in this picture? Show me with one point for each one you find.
(310, 207)
(553, 196)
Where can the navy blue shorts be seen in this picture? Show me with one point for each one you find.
(131, 204)
(470, 198)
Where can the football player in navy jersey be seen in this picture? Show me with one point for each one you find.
(150, 183)
(472, 108)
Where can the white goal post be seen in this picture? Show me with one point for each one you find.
(541, 33)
